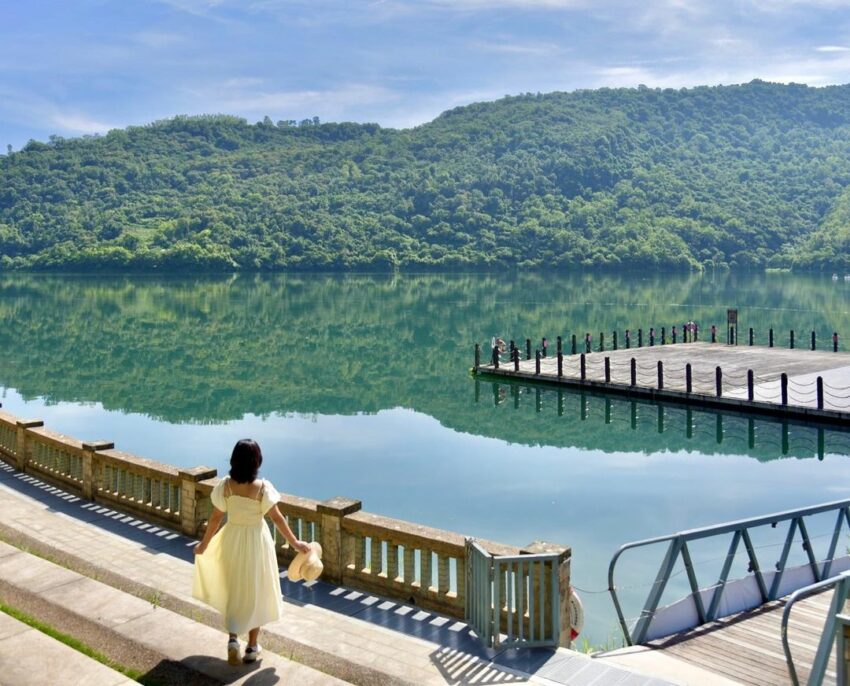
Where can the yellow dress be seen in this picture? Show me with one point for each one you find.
(238, 573)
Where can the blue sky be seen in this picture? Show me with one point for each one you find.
(77, 67)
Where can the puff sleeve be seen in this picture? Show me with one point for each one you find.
(270, 496)
(217, 496)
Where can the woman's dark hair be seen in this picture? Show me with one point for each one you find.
(245, 461)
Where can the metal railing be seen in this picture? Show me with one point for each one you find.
(833, 630)
(740, 531)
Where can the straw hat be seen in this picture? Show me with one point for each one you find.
(307, 566)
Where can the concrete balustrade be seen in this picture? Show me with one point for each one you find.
(409, 562)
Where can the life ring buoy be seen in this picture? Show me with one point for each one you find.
(576, 615)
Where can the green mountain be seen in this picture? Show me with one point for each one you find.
(756, 175)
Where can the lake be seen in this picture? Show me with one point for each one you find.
(359, 385)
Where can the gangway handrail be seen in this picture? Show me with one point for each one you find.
(740, 530)
(842, 584)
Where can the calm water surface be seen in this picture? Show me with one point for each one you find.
(359, 386)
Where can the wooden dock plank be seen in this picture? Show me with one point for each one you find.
(802, 367)
(747, 647)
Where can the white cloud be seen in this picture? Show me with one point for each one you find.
(240, 97)
(195, 7)
(78, 123)
(512, 48)
(159, 39)
(240, 82)
(832, 48)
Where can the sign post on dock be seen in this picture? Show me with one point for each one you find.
(731, 326)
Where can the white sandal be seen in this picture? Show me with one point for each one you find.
(252, 654)
(233, 656)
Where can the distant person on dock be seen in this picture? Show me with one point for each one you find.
(236, 568)
(498, 344)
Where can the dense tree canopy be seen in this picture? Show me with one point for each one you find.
(754, 175)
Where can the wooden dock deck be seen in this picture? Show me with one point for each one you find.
(744, 649)
(801, 368)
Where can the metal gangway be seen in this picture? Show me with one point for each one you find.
(727, 601)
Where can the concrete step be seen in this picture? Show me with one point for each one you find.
(133, 632)
(31, 658)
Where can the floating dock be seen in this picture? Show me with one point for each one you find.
(793, 383)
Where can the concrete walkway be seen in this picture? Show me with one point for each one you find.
(344, 634)
(31, 658)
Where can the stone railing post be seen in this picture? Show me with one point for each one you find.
(189, 500)
(334, 558)
(564, 560)
(92, 475)
(24, 445)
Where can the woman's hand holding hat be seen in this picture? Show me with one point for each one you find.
(306, 565)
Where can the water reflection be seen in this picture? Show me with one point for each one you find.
(211, 349)
(359, 386)
(615, 424)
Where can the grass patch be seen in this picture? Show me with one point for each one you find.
(77, 645)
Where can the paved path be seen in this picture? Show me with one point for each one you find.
(353, 636)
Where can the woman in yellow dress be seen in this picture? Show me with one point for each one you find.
(236, 567)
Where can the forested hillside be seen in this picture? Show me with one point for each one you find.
(755, 175)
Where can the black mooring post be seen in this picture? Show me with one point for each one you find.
(718, 381)
(495, 357)
(688, 379)
(574, 344)
(602, 341)
(660, 375)
(544, 346)
(607, 370)
(516, 359)
(770, 339)
(628, 338)
(784, 387)
(560, 364)
(614, 339)
(750, 386)
(751, 335)
(820, 392)
(583, 368)
(663, 335)
(588, 342)
(835, 341)
(674, 334)
(651, 335)
(814, 345)
(537, 362)
(511, 348)
(792, 339)
(527, 348)
(713, 333)
(640, 338)
(477, 355)
(634, 371)
(560, 345)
